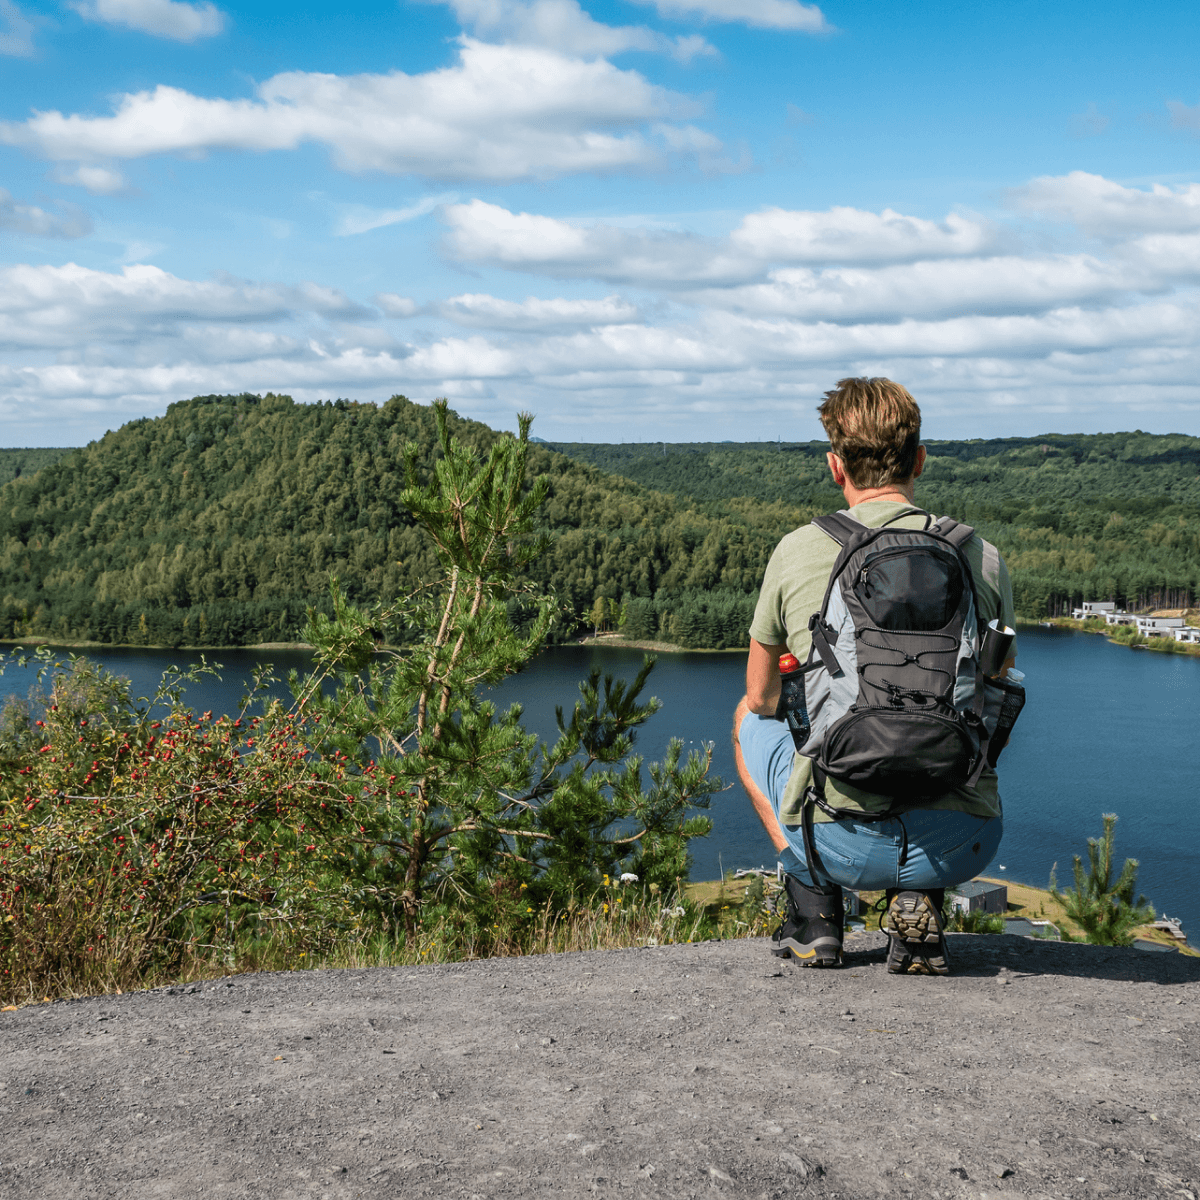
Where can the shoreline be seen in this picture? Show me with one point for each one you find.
(620, 643)
(1159, 645)
(34, 642)
(611, 640)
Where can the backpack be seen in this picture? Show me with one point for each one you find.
(896, 701)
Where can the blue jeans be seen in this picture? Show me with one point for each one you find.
(944, 847)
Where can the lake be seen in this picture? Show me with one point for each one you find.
(1105, 729)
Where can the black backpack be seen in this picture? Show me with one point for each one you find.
(895, 699)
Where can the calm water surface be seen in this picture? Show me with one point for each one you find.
(1105, 729)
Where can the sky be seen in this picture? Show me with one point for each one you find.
(638, 220)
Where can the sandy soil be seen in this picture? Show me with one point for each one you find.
(1038, 1069)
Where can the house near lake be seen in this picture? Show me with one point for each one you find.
(979, 895)
(1150, 626)
(1094, 608)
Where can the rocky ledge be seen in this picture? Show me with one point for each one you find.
(1037, 1069)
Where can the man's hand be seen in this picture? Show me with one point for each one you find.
(762, 678)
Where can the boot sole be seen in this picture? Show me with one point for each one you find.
(917, 945)
(824, 952)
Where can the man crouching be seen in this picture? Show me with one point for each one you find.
(923, 836)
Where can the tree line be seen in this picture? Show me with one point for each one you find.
(1084, 516)
(222, 522)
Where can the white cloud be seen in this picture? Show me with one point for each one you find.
(69, 222)
(562, 25)
(100, 181)
(725, 335)
(1103, 207)
(759, 14)
(500, 113)
(482, 232)
(534, 314)
(164, 18)
(852, 235)
(393, 305)
(928, 289)
(63, 307)
(358, 218)
(16, 40)
(728, 342)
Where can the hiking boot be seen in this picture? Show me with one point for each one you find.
(812, 929)
(916, 941)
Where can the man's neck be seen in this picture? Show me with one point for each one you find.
(902, 494)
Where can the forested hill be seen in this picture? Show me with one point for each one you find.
(1094, 516)
(221, 522)
(15, 463)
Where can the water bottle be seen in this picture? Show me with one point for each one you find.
(792, 707)
(1013, 700)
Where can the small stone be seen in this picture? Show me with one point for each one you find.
(547, 1041)
(1001, 1171)
(803, 1167)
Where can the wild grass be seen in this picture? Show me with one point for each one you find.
(620, 917)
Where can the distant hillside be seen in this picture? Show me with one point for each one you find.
(1096, 515)
(221, 522)
(15, 463)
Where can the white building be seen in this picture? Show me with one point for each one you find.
(1189, 633)
(1119, 618)
(1094, 608)
(1159, 626)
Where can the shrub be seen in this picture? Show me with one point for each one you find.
(133, 832)
(390, 800)
(1103, 908)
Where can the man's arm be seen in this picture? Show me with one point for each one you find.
(762, 678)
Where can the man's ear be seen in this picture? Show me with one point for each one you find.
(836, 469)
(920, 462)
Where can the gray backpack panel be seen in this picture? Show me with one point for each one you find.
(895, 698)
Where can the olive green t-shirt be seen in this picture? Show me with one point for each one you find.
(793, 589)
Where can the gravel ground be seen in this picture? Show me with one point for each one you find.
(709, 1070)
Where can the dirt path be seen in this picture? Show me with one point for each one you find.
(711, 1070)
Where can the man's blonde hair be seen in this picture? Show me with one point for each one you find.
(874, 426)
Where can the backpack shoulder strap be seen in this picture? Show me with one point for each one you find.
(955, 532)
(840, 526)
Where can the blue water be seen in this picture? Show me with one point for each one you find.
(1105, 729)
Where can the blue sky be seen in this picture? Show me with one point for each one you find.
(678, 219)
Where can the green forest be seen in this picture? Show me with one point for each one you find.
(15, 463)
(222, 522)
(1088, 516)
